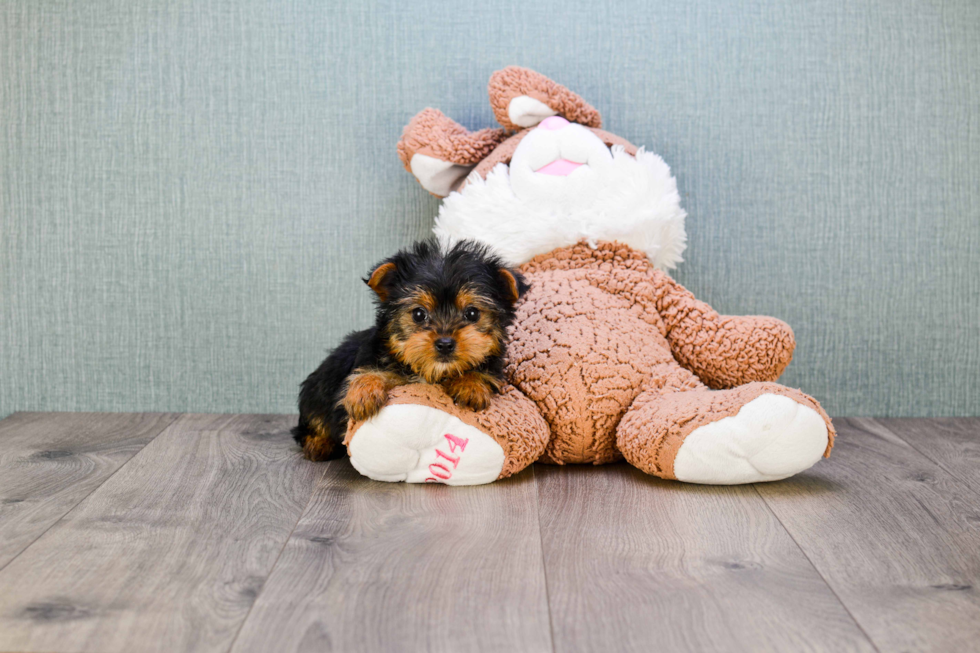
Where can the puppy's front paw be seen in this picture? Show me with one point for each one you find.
(366, 394)
(471, 390)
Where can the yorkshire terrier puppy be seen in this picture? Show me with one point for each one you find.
(442, 318)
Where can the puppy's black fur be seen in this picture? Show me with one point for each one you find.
(440, 318)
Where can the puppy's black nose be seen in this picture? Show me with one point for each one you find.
(445, 345)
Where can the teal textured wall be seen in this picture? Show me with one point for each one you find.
(190, 191)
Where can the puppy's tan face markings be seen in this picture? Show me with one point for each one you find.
(468, 320)
(424, 299)
(376, 281)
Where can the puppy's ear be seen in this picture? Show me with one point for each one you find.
(381, 279)
(514, 285)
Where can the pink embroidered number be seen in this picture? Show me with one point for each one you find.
(440, 472)
(456, 442)
(454, 461)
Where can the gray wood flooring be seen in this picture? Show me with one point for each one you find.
(163, 532)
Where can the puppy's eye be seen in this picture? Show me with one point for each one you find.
(419, 315)
(471, 314)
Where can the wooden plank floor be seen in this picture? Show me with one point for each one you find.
(159, 532)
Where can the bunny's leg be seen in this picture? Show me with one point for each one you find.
(421, 436)
(756, 432)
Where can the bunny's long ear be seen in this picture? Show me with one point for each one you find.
(440, 152)
(522, 98)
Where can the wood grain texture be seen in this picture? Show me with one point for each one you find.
(49, 462)
(952, 443)
(216, 535)
(394, 567)
(635, 563)
(895, 535)
(171, 551)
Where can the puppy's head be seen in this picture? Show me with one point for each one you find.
(443, 313)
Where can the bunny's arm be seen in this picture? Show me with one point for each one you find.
(724, 351)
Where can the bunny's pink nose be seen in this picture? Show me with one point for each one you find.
(553, 123)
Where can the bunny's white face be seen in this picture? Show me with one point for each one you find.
(560, 163)
(564, 186)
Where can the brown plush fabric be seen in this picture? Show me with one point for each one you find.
(515, 81)
(653, 430)
(723, 350)
(512, 420)
(600, 326)
(586, 339)
(433, 134)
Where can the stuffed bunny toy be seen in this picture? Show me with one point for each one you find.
(609, 358)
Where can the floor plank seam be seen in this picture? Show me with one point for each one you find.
(954, 475)
(689, 567)
(278, 557)
(833, 591)
(176, 417)
(544, 566)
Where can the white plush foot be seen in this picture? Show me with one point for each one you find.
(419, 444)
(772, 437)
